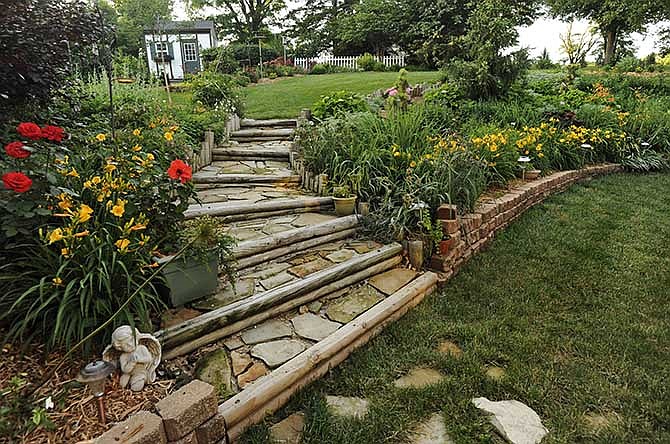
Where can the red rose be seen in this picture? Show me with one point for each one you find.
(29, 130)
(16, 181)
(16, 150)
(180, 170)
(53, 133)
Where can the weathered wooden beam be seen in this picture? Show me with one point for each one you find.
(284, 238)
(269, 393)
(259, 132)
(246, 178)
(297, 247)
(246, 153)
(231, 208)
(268, 122)
(327, 290)
(207, 322)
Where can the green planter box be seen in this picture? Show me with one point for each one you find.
(188, 279)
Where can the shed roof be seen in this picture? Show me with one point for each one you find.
(183, 26)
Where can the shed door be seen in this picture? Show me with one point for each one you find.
(191, 57)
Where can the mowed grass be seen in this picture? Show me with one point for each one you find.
(285, 97)
(572, 300)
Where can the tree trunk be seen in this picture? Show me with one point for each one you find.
(610, 46)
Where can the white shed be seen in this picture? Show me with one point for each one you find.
(175, 47)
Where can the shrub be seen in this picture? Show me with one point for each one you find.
(338, 103)
(247, 54)
(216, 91)
(220, 59)
(325, 68)
(367, 62)
(446, 95)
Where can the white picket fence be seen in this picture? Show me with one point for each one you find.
(349, 62)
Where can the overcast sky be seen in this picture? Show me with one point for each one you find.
(544, 33)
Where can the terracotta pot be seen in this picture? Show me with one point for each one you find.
(446, 245)
(344, 206)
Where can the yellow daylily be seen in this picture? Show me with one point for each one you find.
(169, 136)
(136, 148)
(122, 244)
(84, 213)
(73, 173)
(96, 180)
(119, 208)
(55, 236)
(57, 281)
(101, 137)
(110, 167)
(65, 251)
(137, 132)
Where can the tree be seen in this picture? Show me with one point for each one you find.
(370, 26)
(613, 17)
(664, 42)
(242, 19)
(40, 40)
(577, 46)
(134, 17)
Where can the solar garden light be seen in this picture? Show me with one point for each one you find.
(523, 161)
(94, 375)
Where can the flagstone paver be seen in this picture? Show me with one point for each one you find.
(267, 331)
(289, 430)
(275, 353)
(311, 326)
(345, 309)
(431, 431)
(419, 377)
(348, 406)
(392, 280)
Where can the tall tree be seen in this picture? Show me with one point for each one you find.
(134, 17)
(242, 19)
(614, 18)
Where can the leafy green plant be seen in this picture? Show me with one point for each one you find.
(340, 102)
(206, 235)
(216, 91)
(367, 62)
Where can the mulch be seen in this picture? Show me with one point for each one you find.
(75, 412)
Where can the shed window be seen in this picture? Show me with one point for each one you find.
(190, 52)
(162, 50)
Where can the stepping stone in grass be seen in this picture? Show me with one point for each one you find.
(310, 267)
(347, 406)
(289, 430)
(311, 326)
(257, 370)
(514, 420)
(306, 219)
(340, 256)
(267, 331)
(495, 373)
(346, 308)
(431, 431)
(419, 377)
(275, 353)
(393, 280)
(450, 349)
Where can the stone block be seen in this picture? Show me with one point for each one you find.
(471, 222)
(446, 211)
(191, 438)
(141, 428)
(487, 211)
(187, 408)
(212, 431)
(450, 226)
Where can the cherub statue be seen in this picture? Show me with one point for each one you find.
(136, 354)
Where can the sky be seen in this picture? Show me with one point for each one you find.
(544, 33)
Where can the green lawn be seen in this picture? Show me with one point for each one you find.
(287, 96)
(571, 300)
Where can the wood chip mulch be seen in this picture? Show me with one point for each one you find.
(75, 412)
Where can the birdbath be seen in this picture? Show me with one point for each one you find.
(94, 375)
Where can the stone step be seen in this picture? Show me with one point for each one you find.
(246, 210)
(218, 323)
(263, 133)
(276, 179)
(276, 123)
(250, 152)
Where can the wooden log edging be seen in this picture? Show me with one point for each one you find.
(224, 316)
(270, 393)
(284, 238)
(289, 305)
(234, 209)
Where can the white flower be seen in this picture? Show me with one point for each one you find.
(48, 403)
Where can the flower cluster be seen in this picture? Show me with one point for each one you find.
(18, 181)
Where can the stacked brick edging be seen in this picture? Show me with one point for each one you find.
(187, 416)
(470, 233)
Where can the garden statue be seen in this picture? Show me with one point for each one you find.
(136, 354)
